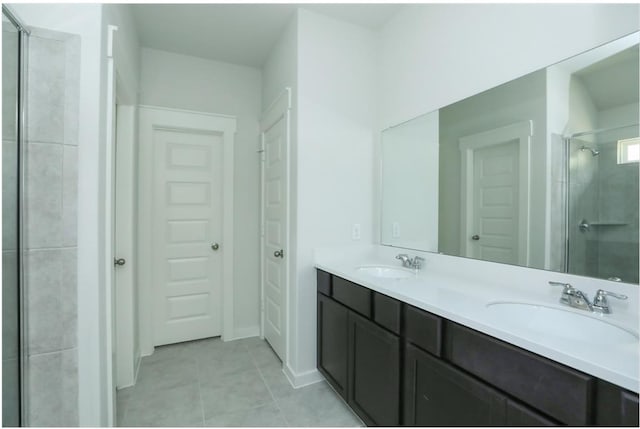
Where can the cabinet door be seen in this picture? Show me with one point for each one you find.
(374, 382)
(521, 415)
(437, 394)
(333, 343)
(629, 415)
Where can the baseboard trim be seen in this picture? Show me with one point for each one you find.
(137, 368)
(306, 378)
(240, 333)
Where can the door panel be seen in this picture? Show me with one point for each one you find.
(495, 203)
(275, 239)
(188, 219)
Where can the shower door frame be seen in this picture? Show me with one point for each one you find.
(23, 46)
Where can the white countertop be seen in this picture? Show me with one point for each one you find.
(459, 289)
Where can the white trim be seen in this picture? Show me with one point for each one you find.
(195, 112)
(107, 371)
(302, 379)
(279, 108)
(164, 117)
(522, 131)
(250, 332)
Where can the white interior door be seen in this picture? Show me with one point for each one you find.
(275, 230)
(495, 194)
(188, 210)
(275, 223)
(495, 203)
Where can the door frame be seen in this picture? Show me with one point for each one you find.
(155, 117)
(280, 108)
(522, 132)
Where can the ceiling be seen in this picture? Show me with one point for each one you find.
(237, 33)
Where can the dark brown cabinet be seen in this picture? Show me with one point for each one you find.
(333, 343)
(437, 394)
(520, 415)
(358, 357)
(374, 364)
(396, 364)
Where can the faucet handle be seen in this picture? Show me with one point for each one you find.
(567, 286)
(601, 292)
(567, 293)
(600, 302)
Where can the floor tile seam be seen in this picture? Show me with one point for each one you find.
(273, 396)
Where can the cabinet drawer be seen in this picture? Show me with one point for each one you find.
(423, 329)
(324, 282)
(560, 392)
(356, 297)
(386, 312)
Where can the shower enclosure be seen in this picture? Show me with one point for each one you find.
(13, 46)
(602, 209)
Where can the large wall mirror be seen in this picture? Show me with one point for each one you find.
(540, 172)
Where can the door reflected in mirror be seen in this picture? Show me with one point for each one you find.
(541, 171)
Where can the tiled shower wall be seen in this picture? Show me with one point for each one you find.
(51, 184)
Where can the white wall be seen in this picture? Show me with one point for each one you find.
(336, 113)
(433, 55)
(409, 215)
(191, 83)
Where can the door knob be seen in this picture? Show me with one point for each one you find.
(119, 261)
(475, 237)
(279, 253)
(215, 246)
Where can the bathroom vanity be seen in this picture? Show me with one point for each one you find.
(457, 344)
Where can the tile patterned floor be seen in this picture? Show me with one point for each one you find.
(213, 383)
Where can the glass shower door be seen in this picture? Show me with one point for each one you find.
(11, 347)
(603, 204)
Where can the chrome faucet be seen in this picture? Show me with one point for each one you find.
(407, 262)
(577, 299)
(600, 303)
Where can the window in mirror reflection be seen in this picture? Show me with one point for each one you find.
(628, 150)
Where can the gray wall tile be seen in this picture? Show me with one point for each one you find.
(70, 196)
(43, 205)
(46, 90)
(51, 193)
(51, 300)
(9, 194)
(10, 305)
(72, 90)
(53, 389)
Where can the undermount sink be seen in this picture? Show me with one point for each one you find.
(557, 322)
(386, 271)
